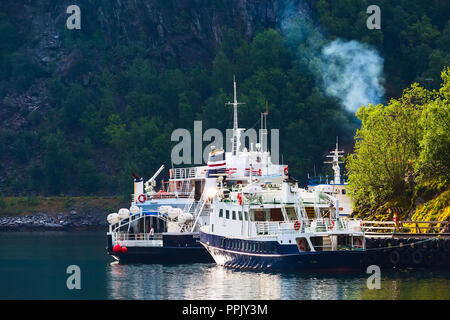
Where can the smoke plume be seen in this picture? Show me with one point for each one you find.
(348, 70)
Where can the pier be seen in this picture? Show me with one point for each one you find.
(407, 244)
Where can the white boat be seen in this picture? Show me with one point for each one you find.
(182, 206)
(336, 187)
(270, 223)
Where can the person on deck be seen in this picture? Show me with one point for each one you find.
(152, 231)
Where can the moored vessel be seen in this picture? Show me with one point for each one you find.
(272, 224)
(163, 226)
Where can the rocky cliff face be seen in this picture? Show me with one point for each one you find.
(184, 32)
(186, 29)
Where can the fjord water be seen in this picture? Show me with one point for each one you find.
(33, 266)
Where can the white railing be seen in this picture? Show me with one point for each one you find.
(125, 236)
(126, 222)
(305, 225)
(189, 173)
(279, 227)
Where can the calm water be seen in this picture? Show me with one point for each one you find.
(33, 266)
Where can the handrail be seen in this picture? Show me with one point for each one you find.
(391, 227)
(126, 236)
(306, 225)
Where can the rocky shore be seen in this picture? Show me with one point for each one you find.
(72, 221)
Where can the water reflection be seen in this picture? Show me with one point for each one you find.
(208, 281)
(34, 266)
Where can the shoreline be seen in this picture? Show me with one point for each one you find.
(73, 221)
(58, 213)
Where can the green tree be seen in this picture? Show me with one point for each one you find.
(434, 159)
(399, 145)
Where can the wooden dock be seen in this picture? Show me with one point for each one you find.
(407, 244)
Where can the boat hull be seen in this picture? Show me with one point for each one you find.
(282, 258)
(158, 255)
(176, 248)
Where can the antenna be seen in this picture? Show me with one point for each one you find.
(264, 132)
(236, 132)
(336, 155)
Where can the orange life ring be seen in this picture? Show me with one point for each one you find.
(260, 172)
(300, 244)
(239, 197)
(286, 171)
(142, 198)
(297, 225)
(332, 225)
(357, 245)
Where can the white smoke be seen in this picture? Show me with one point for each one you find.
(353, 73)
(348, 70)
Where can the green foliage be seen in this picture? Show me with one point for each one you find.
(434, 159)
(414, 36)
(117, 115)
(2, 202)
(400, 145)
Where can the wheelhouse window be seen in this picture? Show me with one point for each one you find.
(234, 215)
(240, 215)
(221, 213)
(227, 214)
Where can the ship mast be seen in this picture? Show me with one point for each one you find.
(236, 131)
(263, 132)
(335, 155)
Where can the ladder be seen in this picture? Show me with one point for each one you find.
(300, 209)
(188, 206)
(198, 211)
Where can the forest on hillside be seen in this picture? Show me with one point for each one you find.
(115, 114)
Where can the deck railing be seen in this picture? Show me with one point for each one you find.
(125, 236)
(189, 173)
(304, 225)
(389, 228)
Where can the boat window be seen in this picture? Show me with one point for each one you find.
(227, 214)
(240, 215)
(234, 215)
(246, 215)
(260, 215)
(220, 213)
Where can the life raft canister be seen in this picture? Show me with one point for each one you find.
(142, 198)
(297, 225)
